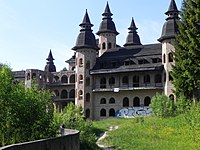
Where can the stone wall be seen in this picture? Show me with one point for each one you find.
(69, 141)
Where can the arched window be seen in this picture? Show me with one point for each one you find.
(112, 112)
(64, 79)
(80, 79)
(170, 76)
(103, 45)
(103, 101)
(126, 102)
(112, 101)
(136, 102)
(88, 65)
(164, 58)
(72, 79)
(81, 62)
(171, 59)
(33, 75)
(88, 81)
(80, 95)
(87, 113)
(158, 78)
(147, 101)
(171, 96)
(88, 97)
(125, 80)
(56, 93)
(28, 76)
(72, 94)
(103, 83)
(111, 81)
(147, 78)
(109, 45)
(56, 79)
(64, 94)
(136, 81)
(103, 113)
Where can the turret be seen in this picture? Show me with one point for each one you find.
(132, 38)
(167, 38)
(107, 31)
(50, 67)
(86, 50)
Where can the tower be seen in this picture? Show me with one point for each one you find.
(132, 38)
(167, 38)
(107, 32)
(50, 67)
(86, 49)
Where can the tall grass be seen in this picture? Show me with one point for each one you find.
(150, 133)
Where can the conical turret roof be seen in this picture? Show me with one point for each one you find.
(107, 25)
(50, 67)
(86, 38)
(132, 38)
(170, 28)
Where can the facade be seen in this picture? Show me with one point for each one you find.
(104, 77)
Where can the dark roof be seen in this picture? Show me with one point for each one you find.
(170, 27)
(86, 38)
(50, 67)
(172, 7)
(50, 57)
(72, 59)
(140, 58)
(132, 38)
(107, 25)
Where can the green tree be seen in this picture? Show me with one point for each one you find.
(186, 72)
(162, 106)
(72, 118)
(25, 113)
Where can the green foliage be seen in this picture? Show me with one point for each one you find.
(25, 114)
(162, 106)
(154, 133)
(192, 118)
(187, 55)
(72, 118)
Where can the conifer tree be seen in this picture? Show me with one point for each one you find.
(186, 71)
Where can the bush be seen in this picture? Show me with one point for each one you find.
(162, 106)
(72, 118)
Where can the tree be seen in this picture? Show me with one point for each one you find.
(25, 113)
(186, 72)
(72, 118)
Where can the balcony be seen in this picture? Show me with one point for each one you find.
(127, 87)
(58, 99)
(53, 84)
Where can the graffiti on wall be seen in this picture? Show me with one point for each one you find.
(132, 112)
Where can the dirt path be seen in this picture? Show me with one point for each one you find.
(102, 136)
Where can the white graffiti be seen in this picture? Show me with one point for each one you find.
(132, 112)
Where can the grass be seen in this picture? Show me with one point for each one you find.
(149, 133)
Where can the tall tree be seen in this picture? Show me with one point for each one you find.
(25, 114)
(186, 71)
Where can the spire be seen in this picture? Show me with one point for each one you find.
(107, 12)
(132, 38)
(50, 67)
(86, 20)
(172, 10)
(86, 38)
(170, 28)
(107, 25)
(50, 57)
(172, 7)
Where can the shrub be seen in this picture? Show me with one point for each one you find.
(72, 118)
(162, 106)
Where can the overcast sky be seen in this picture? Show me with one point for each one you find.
(30, 28)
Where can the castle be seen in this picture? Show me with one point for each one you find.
(104, 77)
